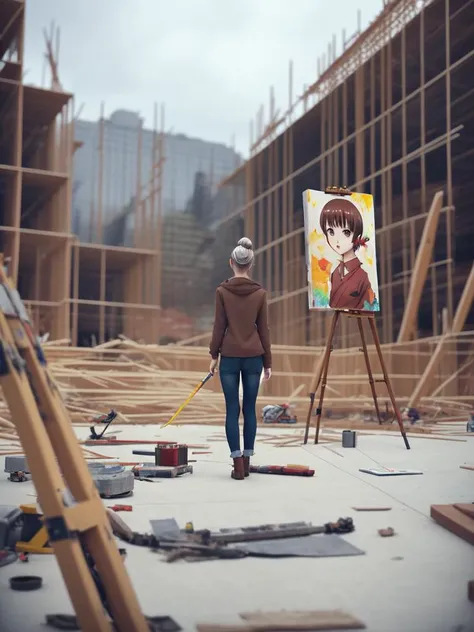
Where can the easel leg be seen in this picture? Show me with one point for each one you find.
(391, 394)
(369, 368)
(324, 374)
(314, 389)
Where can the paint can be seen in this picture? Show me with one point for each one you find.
(349, 439)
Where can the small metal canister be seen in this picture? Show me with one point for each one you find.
(349, 439)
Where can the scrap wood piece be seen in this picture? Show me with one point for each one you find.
(467, 467)
(387, 532)
(454, 520)
(338, 621)
(302, 620)
(372, 508)
(467, 509)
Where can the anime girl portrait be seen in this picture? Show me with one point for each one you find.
(342, 268)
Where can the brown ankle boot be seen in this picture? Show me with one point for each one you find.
(246, 466)
(238, 471)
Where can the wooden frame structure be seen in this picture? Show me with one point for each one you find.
(82, 292)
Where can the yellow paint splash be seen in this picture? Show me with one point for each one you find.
(364, 201)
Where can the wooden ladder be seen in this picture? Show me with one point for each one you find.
(75, 517)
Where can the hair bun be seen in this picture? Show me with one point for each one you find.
(245, 243)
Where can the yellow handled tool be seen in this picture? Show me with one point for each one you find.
(184, 404)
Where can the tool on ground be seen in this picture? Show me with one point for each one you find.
(279, 414)
(34, 536)
(121, 508)
(22, 529)
(285, 470)
(271, 532)
(185, 403)
(150, 470)
(389, 472)
(112, 481)
(205, 543)
(102, 419)
(99, 588)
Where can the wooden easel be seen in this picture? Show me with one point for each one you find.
(321, 376)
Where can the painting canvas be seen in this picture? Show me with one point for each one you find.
(340, 251)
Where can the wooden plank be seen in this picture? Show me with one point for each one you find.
(420, 270)
(372, 508)
(455, 521)
(459, 320)
(466, 509)
(302, 620)
(288, 620)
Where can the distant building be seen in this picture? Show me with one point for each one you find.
(186, 160)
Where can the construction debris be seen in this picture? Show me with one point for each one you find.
(148, 383)
(388, 532)
(458, 518)
(372, 508)
(295, 620)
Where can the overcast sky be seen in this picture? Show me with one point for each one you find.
(211, 62)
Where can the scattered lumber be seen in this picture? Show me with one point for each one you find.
(289, 620)
(146, 383)
(457, 518)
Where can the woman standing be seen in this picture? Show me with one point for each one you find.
(242, 338)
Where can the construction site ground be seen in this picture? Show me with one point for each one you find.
(414, 581)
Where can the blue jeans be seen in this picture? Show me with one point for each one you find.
(230, 371)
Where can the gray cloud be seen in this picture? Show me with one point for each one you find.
(210, 62)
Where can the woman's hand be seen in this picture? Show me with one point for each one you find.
(212, 366)
(267, 374)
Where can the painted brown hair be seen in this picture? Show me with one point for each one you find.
(343, 213)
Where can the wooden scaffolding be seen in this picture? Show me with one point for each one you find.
(76, 291)
(390, 116)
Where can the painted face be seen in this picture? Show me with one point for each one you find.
(340, 239)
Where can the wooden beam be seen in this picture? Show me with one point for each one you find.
(459, 320)
(420, 270)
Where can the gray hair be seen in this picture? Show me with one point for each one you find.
(243, 254)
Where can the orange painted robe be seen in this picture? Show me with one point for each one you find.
(350, 290)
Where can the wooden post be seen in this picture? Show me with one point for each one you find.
(459, 320)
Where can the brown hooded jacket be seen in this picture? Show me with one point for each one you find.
(241, 321)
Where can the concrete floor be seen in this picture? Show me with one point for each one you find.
(415, 581)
